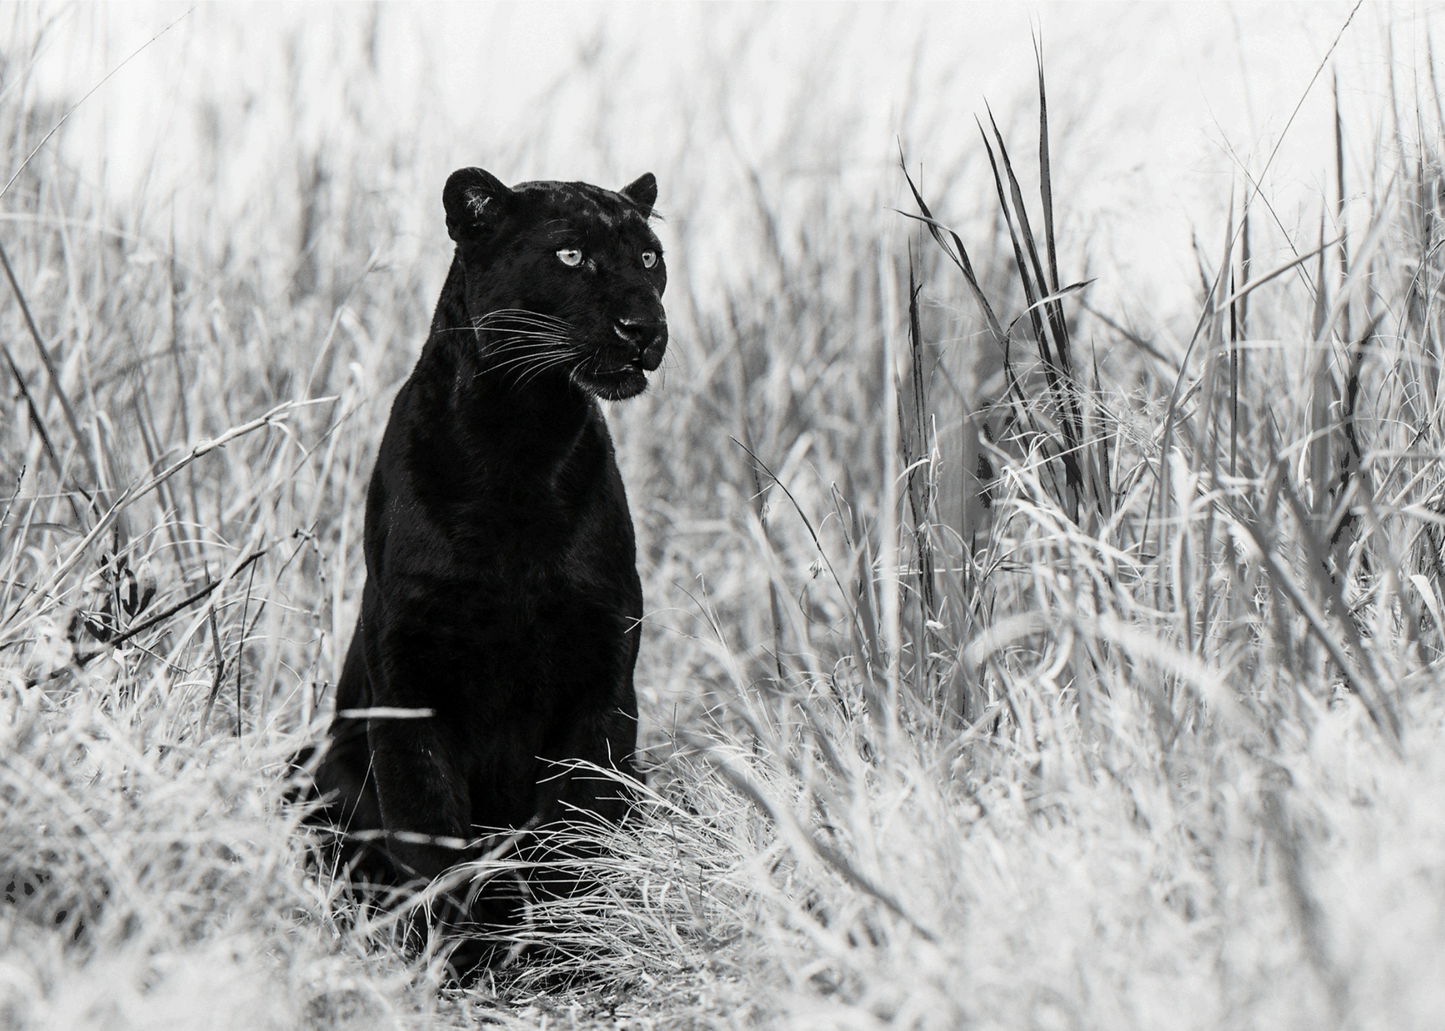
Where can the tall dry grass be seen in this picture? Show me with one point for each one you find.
(1006, 664)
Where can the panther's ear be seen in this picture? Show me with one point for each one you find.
(474, 199)
(642, 191)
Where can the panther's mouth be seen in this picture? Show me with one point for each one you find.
(616, 371)
(613, 384)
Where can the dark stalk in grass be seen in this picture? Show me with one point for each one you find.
(39, 423)
(1103, 479)
(1340, 202)
(1434, 86)
(1046, 189)
(1206, 456)
(1205, 279)
(1055, 360)
(1211, 443)
(861, 604)
(1244, 268)
(1238, 331)
(182, 409)
(53, 373)
(958, 254)
(1344, 523)
(1060, 431)
(10, 501)
(1022, 412)
(241, 646)
(1022, 233)
(913, 438)
(8, 581)
(1046, 198)
(1322, 391)
(775, 604)
(219, 676)
(1020, 236)
(1048, 287)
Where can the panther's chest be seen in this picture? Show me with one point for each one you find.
(504, 554)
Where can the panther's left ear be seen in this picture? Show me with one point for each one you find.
(642, 191)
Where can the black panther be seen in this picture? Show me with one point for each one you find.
(502, 595)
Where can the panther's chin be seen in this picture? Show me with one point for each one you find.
(614, 386)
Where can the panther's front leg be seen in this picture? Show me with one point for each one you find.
(425, 814)
(425, 804)
(418, 761)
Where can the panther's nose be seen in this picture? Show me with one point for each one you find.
(648, 336)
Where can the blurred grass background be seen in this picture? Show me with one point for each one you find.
(1049, 644)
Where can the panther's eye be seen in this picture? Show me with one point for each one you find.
(570, 256)
(649, 259)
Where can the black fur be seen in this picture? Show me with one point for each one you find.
(502, 592)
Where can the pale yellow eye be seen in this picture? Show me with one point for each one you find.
(649, 259)
(570, 256)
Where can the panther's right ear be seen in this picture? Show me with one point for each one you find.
(642, 191)
(475, 200)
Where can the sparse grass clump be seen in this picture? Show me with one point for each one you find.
(1007, 664)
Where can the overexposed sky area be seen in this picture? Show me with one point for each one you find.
(1155, 107)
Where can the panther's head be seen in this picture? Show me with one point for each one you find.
(562, 279)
